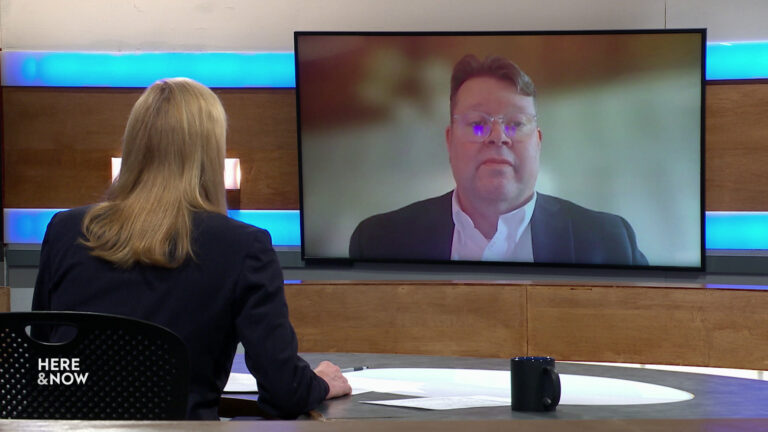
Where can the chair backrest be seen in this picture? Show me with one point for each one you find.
(113, 368)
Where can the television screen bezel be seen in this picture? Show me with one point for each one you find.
(455, 264)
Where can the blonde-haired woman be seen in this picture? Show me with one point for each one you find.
(161, 248)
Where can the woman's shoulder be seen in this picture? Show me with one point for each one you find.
(223, 228)
(68, 220)
(64, 231)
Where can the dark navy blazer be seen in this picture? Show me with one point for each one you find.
(561, 232)
(231, 291)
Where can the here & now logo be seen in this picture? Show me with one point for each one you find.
(61, 371)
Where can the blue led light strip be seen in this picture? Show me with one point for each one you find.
(99, 69)
(283, 225)
(724, 230)
(28, 225)
(737, 230)
(737, 60)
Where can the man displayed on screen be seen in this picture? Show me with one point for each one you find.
(495, 213)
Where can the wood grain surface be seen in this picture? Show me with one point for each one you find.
(677, 326)
(737, 147)
(5, 299)
(579, 321)
(434, 319)
(58, 144)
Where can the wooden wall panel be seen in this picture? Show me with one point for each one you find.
(58, 143)
(682, 326)
(737, 147)
(615, 324)
(432, 319)
(5, 299)
(679, 325)
(262, 133)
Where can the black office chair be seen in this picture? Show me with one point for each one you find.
(110, 368)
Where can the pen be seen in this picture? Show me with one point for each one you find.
(354, 369)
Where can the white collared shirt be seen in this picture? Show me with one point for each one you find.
(512, 241)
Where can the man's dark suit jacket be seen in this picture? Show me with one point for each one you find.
(561, 232)
(231, 291)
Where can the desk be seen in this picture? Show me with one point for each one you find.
(715, 396)
(718, 425)
(721, 404)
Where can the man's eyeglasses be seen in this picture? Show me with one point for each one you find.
(477, 126)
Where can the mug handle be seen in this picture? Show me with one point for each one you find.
(551, 402)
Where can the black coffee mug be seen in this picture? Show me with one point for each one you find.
(535, 384)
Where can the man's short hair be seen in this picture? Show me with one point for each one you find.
(492, 66)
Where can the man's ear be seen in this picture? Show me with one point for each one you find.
(538, 132)
(448, 133)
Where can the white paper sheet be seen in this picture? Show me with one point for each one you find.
(445, 403)
(397, 386)
(241, 383)
(576, 389)
(246, 383)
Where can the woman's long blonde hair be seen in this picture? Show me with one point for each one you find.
(173, 165)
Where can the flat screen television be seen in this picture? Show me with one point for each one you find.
(566, 148)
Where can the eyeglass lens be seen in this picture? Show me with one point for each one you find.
(480, 125)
